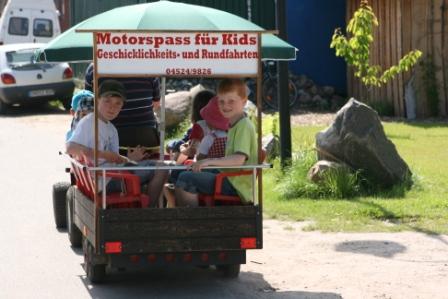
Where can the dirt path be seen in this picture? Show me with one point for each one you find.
(293, 263)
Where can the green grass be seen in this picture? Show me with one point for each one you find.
(423, 208)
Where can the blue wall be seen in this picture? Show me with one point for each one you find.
(310, 26)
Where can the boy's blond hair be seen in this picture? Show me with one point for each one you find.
(229, 85)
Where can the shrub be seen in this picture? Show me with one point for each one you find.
(335, 183)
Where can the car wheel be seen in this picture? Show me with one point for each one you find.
(60, 203)
(3, 107)
(74, 234)
(95, 272)
(67, 103)
(229, 271)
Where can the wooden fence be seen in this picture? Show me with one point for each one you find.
(406, 25)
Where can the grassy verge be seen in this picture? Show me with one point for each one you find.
(423, 208)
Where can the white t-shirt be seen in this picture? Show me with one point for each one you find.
(107, 135)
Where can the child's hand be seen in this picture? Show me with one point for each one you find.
(197, 166)
(136, 153)
(113, 157)
(188, 150)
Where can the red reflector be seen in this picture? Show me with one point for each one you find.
(204, 257)
(134, 258)
(113, 247)
(152, 258)
(8, 78)
(170, 258)
(187, 257)
(222, 256)
(68, 73)
(248, 243)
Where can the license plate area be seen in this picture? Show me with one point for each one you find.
(41, 93)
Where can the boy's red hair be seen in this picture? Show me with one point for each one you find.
(229, 85)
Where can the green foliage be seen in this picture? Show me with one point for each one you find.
(356, 49)
(335, 183)
(430, 85)
(177, 132)
(422, 208)
(341, 183)
(274, 128)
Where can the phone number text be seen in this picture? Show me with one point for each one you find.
(188, 71)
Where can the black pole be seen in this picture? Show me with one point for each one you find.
(282, 92)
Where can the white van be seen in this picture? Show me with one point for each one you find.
(28, 21)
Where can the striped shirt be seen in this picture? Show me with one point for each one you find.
(140, 94)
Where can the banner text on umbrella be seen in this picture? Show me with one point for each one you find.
(171, 54)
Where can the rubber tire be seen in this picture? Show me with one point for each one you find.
(60, 203)
(67, 103)
(74, 234)
(3, 107)
(96, 273)
(270, 97)
(229, 271)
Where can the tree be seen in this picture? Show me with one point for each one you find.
(355, 49)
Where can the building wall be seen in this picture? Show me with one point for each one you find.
(406, 25)
(311, 25)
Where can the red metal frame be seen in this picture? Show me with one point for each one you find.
(217, 196)
(132, 197)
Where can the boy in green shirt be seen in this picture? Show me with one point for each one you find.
(241, 149)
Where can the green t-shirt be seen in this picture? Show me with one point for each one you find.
(241, 138)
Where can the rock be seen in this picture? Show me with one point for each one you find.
(312, 90)
(304, 98)
(271, 144)
(320, 103)
(356, 138)
(195, 89)
(251, 111)
(177, 107)
(301, 81)
(328, 91)
(315, 174)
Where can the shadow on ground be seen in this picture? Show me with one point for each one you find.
(192, 283)
(23, 111)
(379, 248)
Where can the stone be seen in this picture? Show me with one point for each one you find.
(328, 91)
(271, 145)
(304, 98)
(312, 90)
(177, 107)
(315, 174)
(356, 137)
(301, 81)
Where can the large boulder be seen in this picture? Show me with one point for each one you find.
(178, 106)
(357, 138)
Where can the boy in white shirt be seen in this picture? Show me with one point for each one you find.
(81, 143)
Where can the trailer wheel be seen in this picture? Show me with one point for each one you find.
(74, 234)
(59, 203)
(4, 107)
(229, 271)
(67, 103)
(96, 273)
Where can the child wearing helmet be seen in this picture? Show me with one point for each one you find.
(82, 104)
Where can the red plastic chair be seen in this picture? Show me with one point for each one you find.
(217, 198)
(130, 197)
